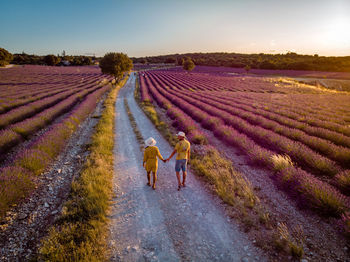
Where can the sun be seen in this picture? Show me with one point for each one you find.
(338, 32)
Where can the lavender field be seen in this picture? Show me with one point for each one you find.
(298, 132)
(36, 98)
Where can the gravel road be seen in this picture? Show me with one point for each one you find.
(165, 224)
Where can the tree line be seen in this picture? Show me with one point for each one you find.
(25, 59)
(289, 61)
(52, 60)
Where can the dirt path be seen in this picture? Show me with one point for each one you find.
(165, 225)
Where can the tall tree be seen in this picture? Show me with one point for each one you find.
(188, 64)
(5, 57)
(51, 60)
(115, 64)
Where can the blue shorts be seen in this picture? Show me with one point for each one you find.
(181, 164)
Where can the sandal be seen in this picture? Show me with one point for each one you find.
(178, 188)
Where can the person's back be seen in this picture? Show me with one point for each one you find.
(151, 153)
(150, 160)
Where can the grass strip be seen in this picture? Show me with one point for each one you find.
(136, 130)
(80, 234)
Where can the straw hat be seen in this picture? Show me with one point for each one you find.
(150, 142)
(182, 134)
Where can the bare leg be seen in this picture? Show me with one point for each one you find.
(154, 180)
(178, 180)
(149, 178)
(184, 174)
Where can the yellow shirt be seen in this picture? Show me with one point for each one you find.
(182, 148)
(150, 158)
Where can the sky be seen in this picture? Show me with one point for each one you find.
(157, 27)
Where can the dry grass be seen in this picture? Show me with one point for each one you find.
(81, 232)
(281, 162)
(229, 184)
(343, 181)
(291, 242)
(136, 130)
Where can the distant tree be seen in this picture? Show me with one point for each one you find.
(51, 60)
(87, 60)
(115, 64)
(5, 57)
(188, 64)
(143, 61)
(267, 64)
(247, 68)
(170, 60)
(179, 61)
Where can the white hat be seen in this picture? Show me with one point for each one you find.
(181, 134)
(150, 142)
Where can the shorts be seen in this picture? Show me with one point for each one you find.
(181, 164)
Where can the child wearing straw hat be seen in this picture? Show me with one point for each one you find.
(150, 160)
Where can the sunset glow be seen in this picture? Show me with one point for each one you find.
(163, 27)
(338, 33)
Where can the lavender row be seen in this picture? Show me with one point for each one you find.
(328, 149)
(7, 104)
(188, 82)
(145, 97)
(300, 116)
(36, 107)
(24, 91)
(16, 181)
(334, 137)
(326, 103)
(311, 192)
(10, 105)
(181, 120)
(297, 151)
(31, 125)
